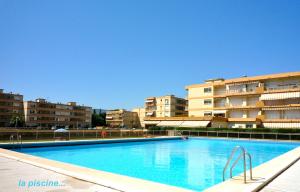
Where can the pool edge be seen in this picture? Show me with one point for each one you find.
(83, 142)
(262, 174)
(106, 179)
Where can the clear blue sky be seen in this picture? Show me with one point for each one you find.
(114, 53)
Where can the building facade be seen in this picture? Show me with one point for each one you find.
(120, 118)
(141, 112)
(165, 106)
(11, 105)
(43, 114)
(271, 101)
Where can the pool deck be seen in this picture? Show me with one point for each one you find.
(288, 181)
(13, 172)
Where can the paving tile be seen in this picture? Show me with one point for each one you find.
(288, 181)
(13, 172)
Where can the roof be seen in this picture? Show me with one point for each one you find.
(245, 79)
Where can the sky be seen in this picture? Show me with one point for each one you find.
(115, 53)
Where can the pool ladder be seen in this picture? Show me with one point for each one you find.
(243, 154)
(18, 142)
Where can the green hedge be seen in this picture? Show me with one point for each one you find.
(266, 130)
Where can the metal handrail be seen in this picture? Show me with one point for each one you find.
(250, 164)
(242, 155)
(11, 139)
(20, 140)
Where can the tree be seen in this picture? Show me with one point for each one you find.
(17, 121)
(98, 119)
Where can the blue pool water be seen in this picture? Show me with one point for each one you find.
(195, 164)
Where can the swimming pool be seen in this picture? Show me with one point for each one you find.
(196, 163)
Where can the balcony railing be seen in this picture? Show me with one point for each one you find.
(281, 88)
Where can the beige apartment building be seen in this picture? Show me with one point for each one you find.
(165, 106)
(271, 101)
(141, 112)
(11, 105)
(43, 114)
(120, 118)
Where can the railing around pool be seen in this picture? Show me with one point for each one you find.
(243, 155)
(19, 141)
(240, 135)
(50, 135)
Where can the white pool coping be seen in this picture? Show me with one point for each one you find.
(262, 174)
(84, 142)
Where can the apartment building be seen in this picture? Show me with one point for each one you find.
(271, 101)
(11, 105)
(141, 112)
(120, 118)
(43, 114)
(165, 106)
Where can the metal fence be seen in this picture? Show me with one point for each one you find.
(50, 135)
(244, 135)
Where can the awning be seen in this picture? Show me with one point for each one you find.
(61, 130)
(169, 123)
(281, 125)
(109, 117)
(219, 111)
(194, 124)
(149, 101)
(279, 96)
(151, 122)
(149, 113)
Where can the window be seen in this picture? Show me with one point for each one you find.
(166, 101)
(249, 126)
(207, 90)
(207, 102)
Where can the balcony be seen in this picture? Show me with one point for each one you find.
(286, 88)
(240, 92)
(261, 117)
(230, 107)
(259, 90)
(243, 119)
(281, 120)
(260, 104)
